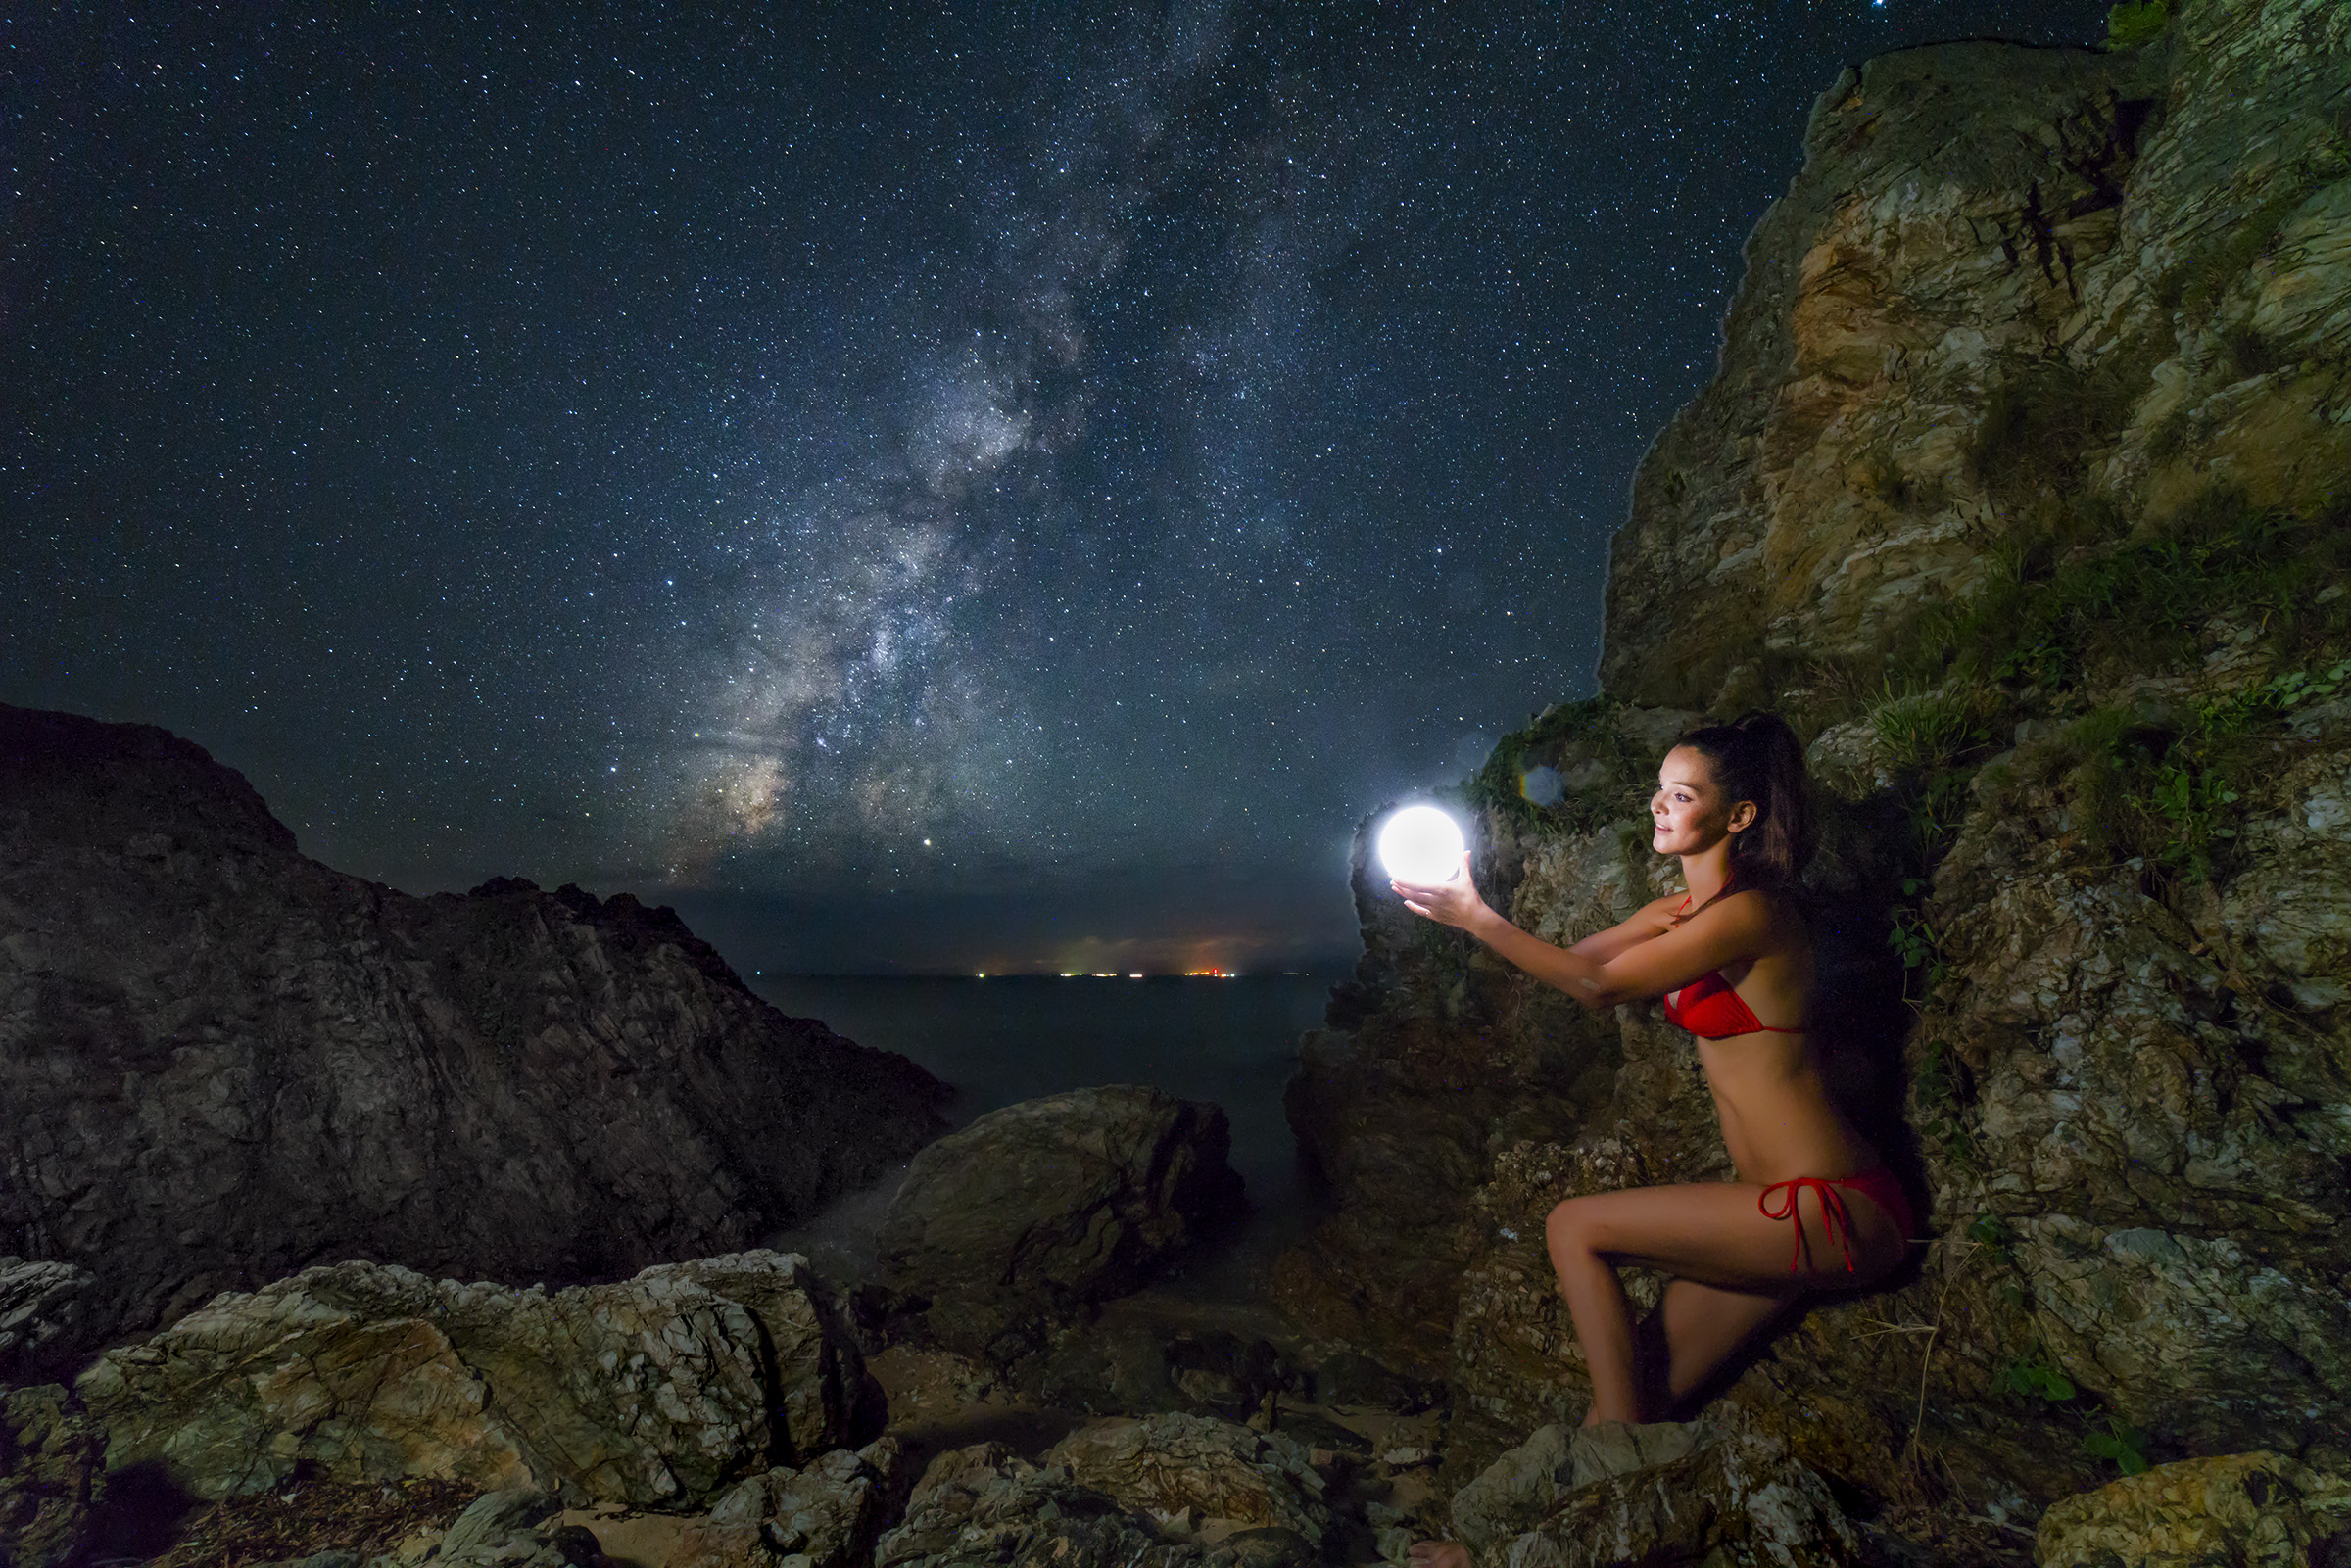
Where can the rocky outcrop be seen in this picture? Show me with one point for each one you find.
(982, 1506)
(2005, 279)
(2020, 493)
(653, 1393)
(2241, 1508)
(221, 1061)
(826, 1513)
(1019, 1220)
(40, 1315)
(1173, 1462)
(52, 1477)
(1711, 1492)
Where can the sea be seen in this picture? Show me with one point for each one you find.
(1001, 1040)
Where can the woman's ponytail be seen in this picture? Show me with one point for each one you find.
(1758, 758)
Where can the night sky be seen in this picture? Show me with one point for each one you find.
(1001, 489)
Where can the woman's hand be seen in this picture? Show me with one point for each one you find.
(1448, 903)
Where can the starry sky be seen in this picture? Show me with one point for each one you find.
(998, 486)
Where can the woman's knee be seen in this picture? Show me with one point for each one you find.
(1572, 1227)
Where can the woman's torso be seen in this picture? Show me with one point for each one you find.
(1777, 1119)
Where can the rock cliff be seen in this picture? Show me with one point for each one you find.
(222, 1061)
(2020, 490)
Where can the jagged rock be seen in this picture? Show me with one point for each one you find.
(220, 1060)
(501, 1530)
(2240, 1510)
(51, 1477)
(827, 1514)
(982, 1507)
(1270, 1547)
(1729, 1496)
(40, 1315)
(1217, 1469)
(1018, 1221)
(654, 1392)
(1110, 1369)
(1520, 1489)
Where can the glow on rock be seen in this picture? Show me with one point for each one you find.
(1421, 844)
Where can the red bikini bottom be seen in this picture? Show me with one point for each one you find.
(1878, 1186)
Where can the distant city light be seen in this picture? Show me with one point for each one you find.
(1421, 844)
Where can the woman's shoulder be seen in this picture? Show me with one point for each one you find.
(1775, 910)
(1761, 907)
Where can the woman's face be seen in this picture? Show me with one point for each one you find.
(1688, 812)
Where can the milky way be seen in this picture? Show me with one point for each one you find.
(1009, 488)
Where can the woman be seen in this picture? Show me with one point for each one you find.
(1814, 1205)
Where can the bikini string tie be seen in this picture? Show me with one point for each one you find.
(1833, 1219)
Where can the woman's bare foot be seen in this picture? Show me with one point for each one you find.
(1439, 1554)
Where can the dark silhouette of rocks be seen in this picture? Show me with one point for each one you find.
(220, 1060)
(1016, 1223)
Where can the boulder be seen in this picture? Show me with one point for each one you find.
(40, 1315)
(1714, 1491)
(826, 1513)
(1521, 1489)
(981, 1508)
(1019, 1220)
(51, 1477)
(501, 1529)
(1216, 1469)
(221, 1061)
(654, 1392)
(2239, 1511)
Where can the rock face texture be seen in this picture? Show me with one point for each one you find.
(40, 1315)
(653, 1393)
(826, 1512)
(2020, 492)
(1020, 1219)
(221, 1061)
(1711, 1492)
(2005, 277)
(1116, 1503)
(1175, 1461)
(52, 1474)
(2244, 1508)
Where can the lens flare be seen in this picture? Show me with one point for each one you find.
(1421, 844)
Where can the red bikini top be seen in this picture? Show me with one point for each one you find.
(1709, 1009)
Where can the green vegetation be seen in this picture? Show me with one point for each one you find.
(1928, 731)
(1940, 1095)
(2118, 1439)
(2036, 1376)
(2059, 619)
(2198, 284)
(2039, 422)
(1612, 774)
(1992, 1232)
(2164, 789)
(2136, 23)
(1919, 945)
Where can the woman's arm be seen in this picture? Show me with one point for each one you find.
(1652, 918)
(1726, 930)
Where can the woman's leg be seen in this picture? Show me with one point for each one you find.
(1704, 1326)
(1714, 1234)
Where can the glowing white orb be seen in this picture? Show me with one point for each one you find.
(1421, 845)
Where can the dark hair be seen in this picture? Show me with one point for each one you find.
(1758, 757)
